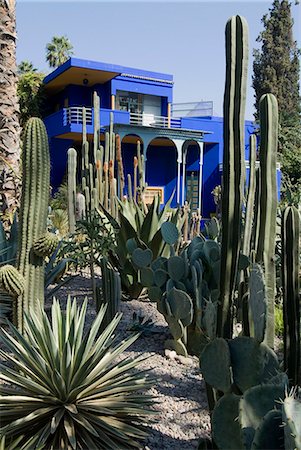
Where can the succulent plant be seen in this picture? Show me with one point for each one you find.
(11, 281)
(70, 392)
(33, 216)
(46, 244)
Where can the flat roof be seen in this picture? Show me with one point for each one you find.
(76, 69)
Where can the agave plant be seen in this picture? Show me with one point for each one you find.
(66, 391)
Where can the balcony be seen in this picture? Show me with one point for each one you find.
(150, 120)
(70, 120)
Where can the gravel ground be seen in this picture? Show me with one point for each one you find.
(179, 389)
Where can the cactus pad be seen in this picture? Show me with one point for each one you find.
(147, 277)
(161, 277)
(215, 365)
(225, 426)
(180, 304)
(254, 405)
(264, 362)
(170, 233)
(142, 258)
(177, 346)
(176, 268)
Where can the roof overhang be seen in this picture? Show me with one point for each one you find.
(88, 73)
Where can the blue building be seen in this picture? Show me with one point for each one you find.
(182, 144)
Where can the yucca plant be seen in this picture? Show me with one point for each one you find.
(66, 390)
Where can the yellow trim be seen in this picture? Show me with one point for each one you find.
(151, 192)
(168, 114)
(112, 101)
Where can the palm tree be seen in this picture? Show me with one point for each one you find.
(58, 51)
(26, 67)
(9, 109)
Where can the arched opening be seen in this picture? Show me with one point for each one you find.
(161, 169)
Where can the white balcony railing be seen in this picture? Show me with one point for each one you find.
(150, 120)
(74, 114)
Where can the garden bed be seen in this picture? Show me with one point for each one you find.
(179, 388)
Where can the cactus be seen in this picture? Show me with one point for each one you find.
(246, 246)
(176, 268)
(290, 256)
(72, 160)
(110, 292)
(258, 301)
(11, 281)
(45, 244)
(268, 204)
(218, 375)
(142, 258)
(291, 417)
(233, 161)
(119, 166)
(33, 216)
(169, 233)
(225, 426)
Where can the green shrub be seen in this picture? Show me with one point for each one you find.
(70, 393)
(279, 327)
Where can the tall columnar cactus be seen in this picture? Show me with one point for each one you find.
(233, 164)
(33, 216)
(291, 287)
(250, 198)
(72, 160)
(268, 203)
(110, 291)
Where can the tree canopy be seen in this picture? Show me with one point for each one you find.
(58, 51)
(276, 69)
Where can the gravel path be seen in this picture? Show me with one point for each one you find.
(179, 390)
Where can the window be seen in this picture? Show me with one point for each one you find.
(129, 101)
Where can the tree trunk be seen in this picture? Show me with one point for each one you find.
(9, 113)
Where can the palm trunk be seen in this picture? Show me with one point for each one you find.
(9, 113)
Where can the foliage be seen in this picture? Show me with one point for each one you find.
(140, 229)
(58, 51)
(279, 327)
(71, 393)
(25, 67)
(31, 95)
(141, 325)
(276, 66)
(290, 153)
(277, 70)
(186, 289)
(60, 198)
(92, 240)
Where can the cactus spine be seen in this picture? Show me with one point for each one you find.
(233, 162)
(33, 216)
(291, 300)
(268, 203)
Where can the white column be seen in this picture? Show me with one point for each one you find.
(201, 145)
(178, 143)
(184, 173)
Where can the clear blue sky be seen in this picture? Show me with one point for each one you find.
(182, 38)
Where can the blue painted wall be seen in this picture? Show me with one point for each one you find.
(161, 169)
(58, 157)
